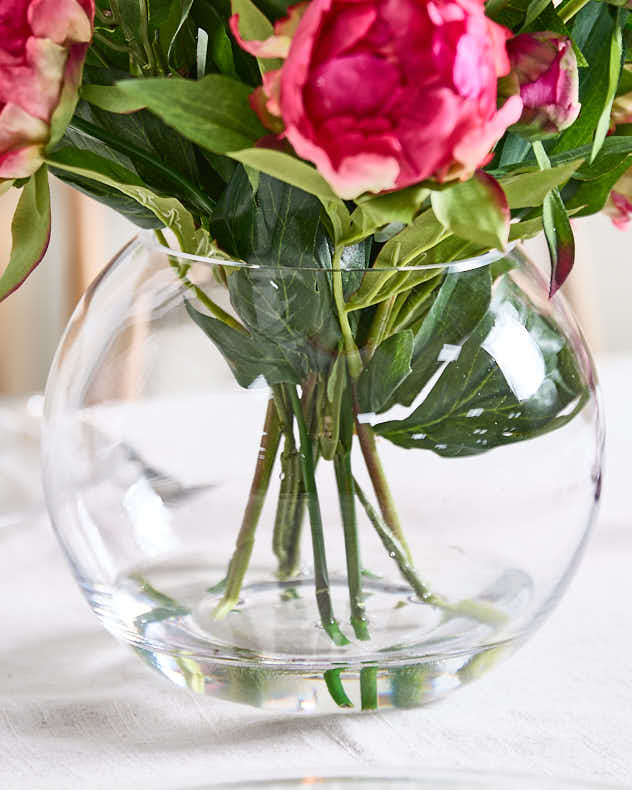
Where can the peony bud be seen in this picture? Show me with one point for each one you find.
(42, 48)
(544, 73)
(619, 204)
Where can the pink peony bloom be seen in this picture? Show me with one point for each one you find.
(380, 94)
(42, 48)
(544, 73)
(619, 204)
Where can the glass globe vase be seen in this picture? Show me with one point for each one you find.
(300, 526)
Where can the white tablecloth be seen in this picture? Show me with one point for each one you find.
(78, 710)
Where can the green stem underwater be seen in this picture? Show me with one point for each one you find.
(258, 490)
(321, 575)
(346, 493)
(380, 485)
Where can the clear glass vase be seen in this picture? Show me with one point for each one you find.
(261, 526)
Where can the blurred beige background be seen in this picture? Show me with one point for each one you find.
(85, 236)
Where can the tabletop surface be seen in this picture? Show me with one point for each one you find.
(78, 710)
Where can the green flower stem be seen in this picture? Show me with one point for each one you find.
(380, 485)
(379, 326)
(291, 505)
(393, 545)
(354, 360)
(204, 204)
(346, 493)
(571, 8)
(368, 688)
(335, 688)
(323, 597)
(258, 489)
(475, 609)
(215, 310)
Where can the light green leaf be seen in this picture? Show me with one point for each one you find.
(475, 210)
(255, 26)
(286, 168)
(529, 189)
(30, 231)
(407, 248)
(400, 206)
(213, 112)
(168, 210)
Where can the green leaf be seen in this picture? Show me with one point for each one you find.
(288, 300)
(593, 82)
(286, 168)
(591, 196)
(529, 189)
(483, 400)
(330, 419)
(183, 17)
(475, 210)
(388, 368)
(534, 9)
(220, 49)
(169, 211)
(213, 112)
(407, 248)
(255, 26)
(248, 358)
(400, 206)
(460, 304)
(559, 238)
(614, 69)
(30, 231)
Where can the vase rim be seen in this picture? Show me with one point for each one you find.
(461, 265)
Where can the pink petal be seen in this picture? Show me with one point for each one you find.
(356, 174)
(21, 162)
(62, 21)
(272, 47)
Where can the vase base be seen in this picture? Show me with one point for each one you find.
(272, 652)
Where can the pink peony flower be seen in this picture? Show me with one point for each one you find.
(42, 48)
(544, 73)
(619, 204)
(380, 94)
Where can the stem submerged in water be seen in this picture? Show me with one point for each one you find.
(321, 575)
(380, 485)
(258, 489)
(344, 478)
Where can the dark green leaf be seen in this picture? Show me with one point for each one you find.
(457, 309)
(30, 231)
(483, 399)
(593, 82)
(591, 196)
(247, 357)
(614, 69)
(535, 8)
(288, 300)
(213, 112)
(388, 368)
